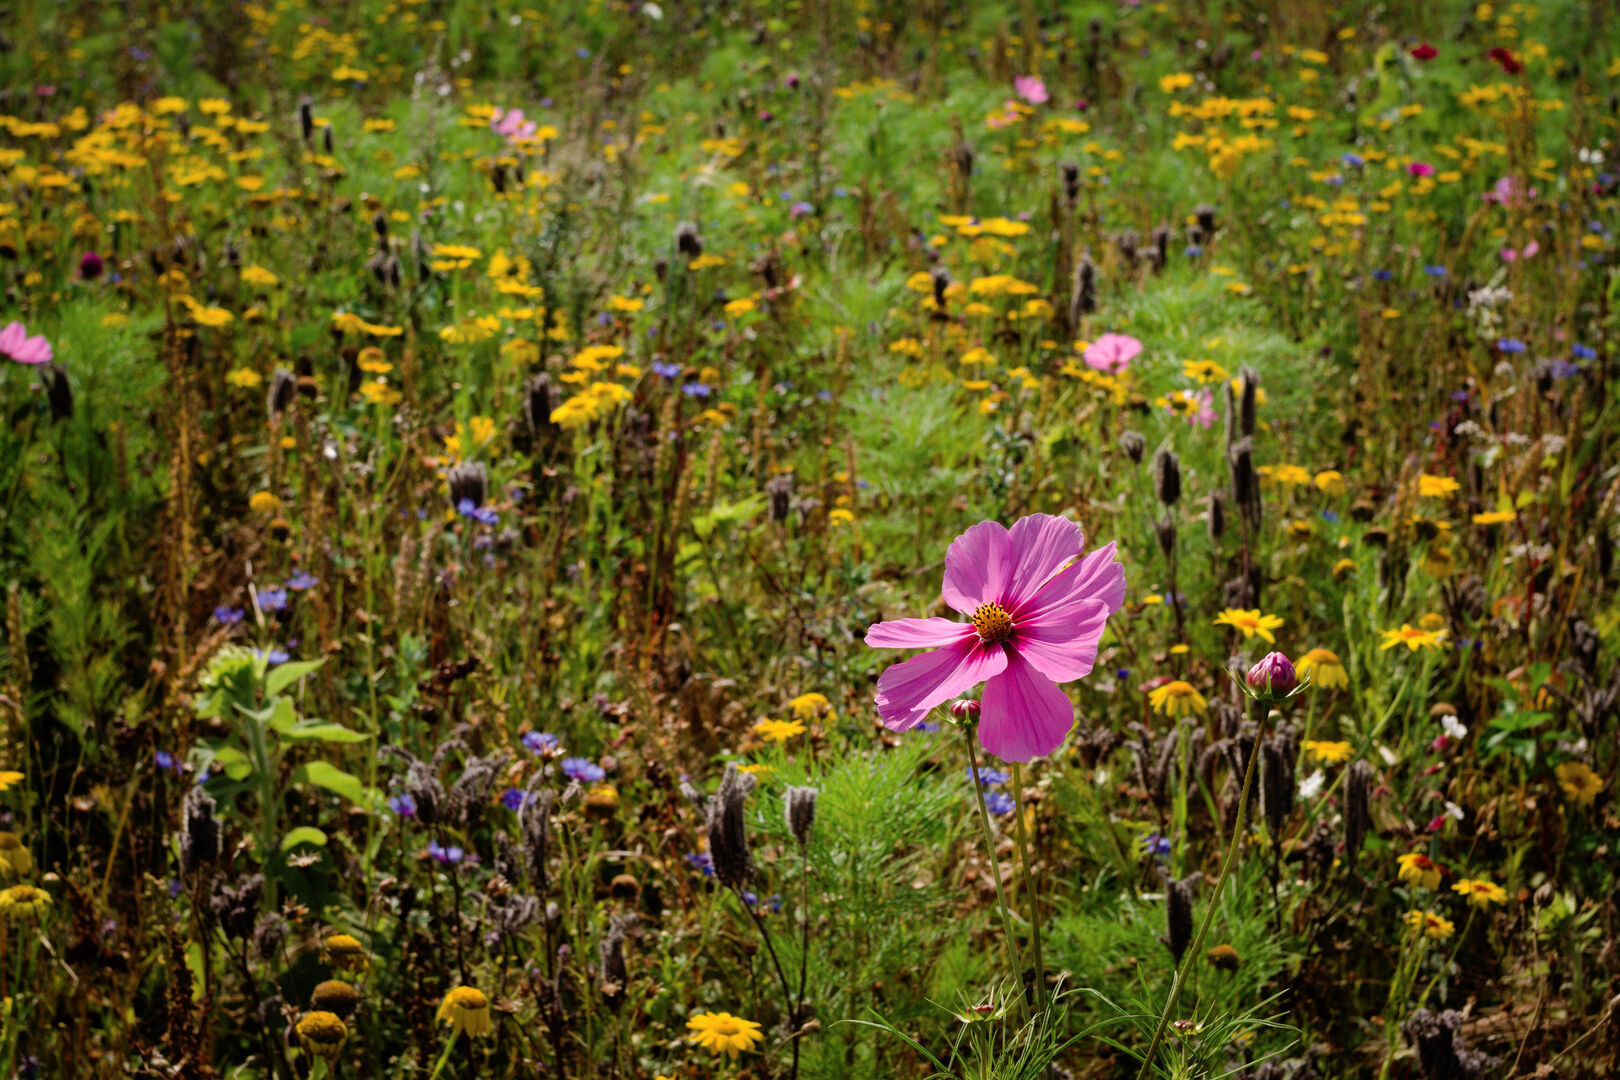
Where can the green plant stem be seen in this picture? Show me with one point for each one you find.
(990, 850)
(1029, 885)
(1214, 901)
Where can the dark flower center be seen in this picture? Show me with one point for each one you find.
(993, 623)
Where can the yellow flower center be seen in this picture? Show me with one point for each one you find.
(993, 623)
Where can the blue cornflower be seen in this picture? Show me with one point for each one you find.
(584, 770)
(926, 726)
(1330, 516)
(701, 860)
(302, 580)
(229, 616)
(1565, 369)
(1382, 275)
(272, 598)
(664, 370)
(697, 389)
(514, 798)
(1510, 345)
(999, 803)
(1353, 160)
(272, 656)
(1193, 251)
(1154, 844)
(1583, 352)
(540, 742)
(165, 761)
(990, 777)
(447, 855)
(1435, 271)
(404, 805)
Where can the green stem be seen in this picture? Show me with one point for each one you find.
(1214, 901)
(990, 850)
(1029, 885)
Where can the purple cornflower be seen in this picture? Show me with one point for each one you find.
(999, 803)
(584, 770)
(514, 798)
(990, 777)
(540, 742)
(697, 389)
(272, 598)
(226, 615)
(1510, 345)
(1154, 844)
(447, 855)
(302, 580)
(665, 370)
(403, 804)
(701, 860)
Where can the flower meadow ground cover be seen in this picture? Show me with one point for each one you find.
(817, 539)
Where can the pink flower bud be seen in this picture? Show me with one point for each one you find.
(1273, 676)
(965, 709)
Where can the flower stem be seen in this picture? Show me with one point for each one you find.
(990, 850)
(1214, 901)
(1029, 885)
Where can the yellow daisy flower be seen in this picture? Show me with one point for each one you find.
(467, 1009)
(1323, 668)
(1177, 699)
(1250, 623)
(722, 1033)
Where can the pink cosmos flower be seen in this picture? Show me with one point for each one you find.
(1112, 353)
(1032, 89)
(511, 124)
(1037, 610)
(1420, 168)
(1509, 192)
(16, 344)
(1509, 254)
(1198, 406)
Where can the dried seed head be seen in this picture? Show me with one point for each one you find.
(1358, 786)
(469, 482)
(59, 392)
(1167, 477)
(539, 401)
(1071, 181)
(268, 934)
(1217, 516)
(688, 241)
(941, 280)
(283, 385)
(236, 906)
(800, 803)
(1178, 914)
(1134, 445)
(1083, 298)
(728, 828)
(1165, 531)
(779, 490)
(199, 840)
(1160, 255)
(1250, 380)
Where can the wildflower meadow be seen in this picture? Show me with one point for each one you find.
(870, 539)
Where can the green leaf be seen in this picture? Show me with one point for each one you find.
(234, 762)
(323, 731)
(332, 779)
(284, 676)
(304, 834)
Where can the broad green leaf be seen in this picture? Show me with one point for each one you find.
(332, 779)
(304, 834)
(323, 731)
(234, 762)
(284, 676)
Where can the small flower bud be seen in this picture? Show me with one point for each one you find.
(1273, 677)
(965, 709)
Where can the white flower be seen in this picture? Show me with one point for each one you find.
(1454, 811)
(1311, 786)
(1455, 729)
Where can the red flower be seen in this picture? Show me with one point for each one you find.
(1505, 61)
(1425, 52)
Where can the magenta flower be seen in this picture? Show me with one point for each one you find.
(1037, 610)
(16, 344)
(1420, 168)
(1032, 89)
(1112, 353)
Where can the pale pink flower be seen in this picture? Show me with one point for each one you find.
(1037, 609)
(510, 123)
(16, 344)
(1508, 191)
(1112, 353)
(1032, 89)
